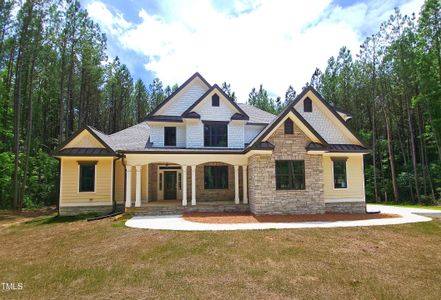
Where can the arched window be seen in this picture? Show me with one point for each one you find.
(289, 126)
(307, 105)
(215, 100)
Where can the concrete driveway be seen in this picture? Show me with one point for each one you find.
(177, 222)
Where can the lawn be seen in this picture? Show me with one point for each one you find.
(411, 206)
(66, 258)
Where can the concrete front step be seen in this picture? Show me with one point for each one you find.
(152, 210)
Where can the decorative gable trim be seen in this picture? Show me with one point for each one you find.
(59, 150)
(216, 87)
(180, 88)
(330, 108)
(277, 122)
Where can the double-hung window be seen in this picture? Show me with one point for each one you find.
(215, 134)
(339, 170)
(216, 177)
(169, 136)
(87, 176)
(290, 174)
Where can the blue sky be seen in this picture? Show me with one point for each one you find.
(243, 42)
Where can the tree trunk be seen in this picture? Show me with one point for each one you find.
(391, 156)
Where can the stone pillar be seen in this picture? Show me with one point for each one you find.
(184, 185)
(138, 186)
(236, 184)
(193, 184)
(128, 186)
(245, 184)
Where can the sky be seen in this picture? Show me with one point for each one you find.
(246, 43)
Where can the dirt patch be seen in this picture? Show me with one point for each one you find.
(12, 217)
(235, 218)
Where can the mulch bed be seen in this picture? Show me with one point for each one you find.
(234, 218)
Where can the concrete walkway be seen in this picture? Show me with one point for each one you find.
(408, 215)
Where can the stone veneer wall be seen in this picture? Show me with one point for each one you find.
(209, 195)
(346, 207)
(76, 210)
(265, 199)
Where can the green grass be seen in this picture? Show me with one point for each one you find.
(410, 205)
(66, 258)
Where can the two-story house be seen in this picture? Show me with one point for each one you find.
(200, 150)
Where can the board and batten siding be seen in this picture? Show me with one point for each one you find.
(355, 179)
(69, 189)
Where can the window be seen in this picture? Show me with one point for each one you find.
(290, 174)
(216, 177)
(215, 135)
(170, 136)
(289, 126)
(160, 181)
(339, 167)
(87, 176)
(307, 105)
(215, 100)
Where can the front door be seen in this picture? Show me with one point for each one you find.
(170, 185)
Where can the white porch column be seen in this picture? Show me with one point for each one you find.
(184, 185)
(245, 184)
(128, 186)
(138, 186)
(147, 183)
(236, 184)
(193, 184)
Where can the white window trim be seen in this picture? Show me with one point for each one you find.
(332, 177)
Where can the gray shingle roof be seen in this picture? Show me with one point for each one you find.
(257, 115)
(132, 138)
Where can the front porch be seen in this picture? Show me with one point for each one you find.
(167, 207)
(168, 186)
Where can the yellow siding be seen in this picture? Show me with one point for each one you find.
(354, 169)
(84, 140)
(119, 181)
(70, 181)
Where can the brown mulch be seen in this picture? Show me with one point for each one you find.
(231, 218)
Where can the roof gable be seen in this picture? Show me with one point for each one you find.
(182, 98)
(205, 100)
(86, 138)
(325, 119)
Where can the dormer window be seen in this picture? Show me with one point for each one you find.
(307, 105)
(215, 100)
(289, 126)
(170, 136)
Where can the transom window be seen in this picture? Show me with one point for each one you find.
(307, 105)
(290, 174)
(289, 126)
(215, 134)
(215, 100)
(340, 178)
(216, 177)
(169, 136)
(87, 176)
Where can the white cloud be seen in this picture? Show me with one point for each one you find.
(269, 42)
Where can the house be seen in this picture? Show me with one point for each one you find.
(201, 151)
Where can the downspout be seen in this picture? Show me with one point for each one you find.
(113, 185)
(125, 178)
(59, 184)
